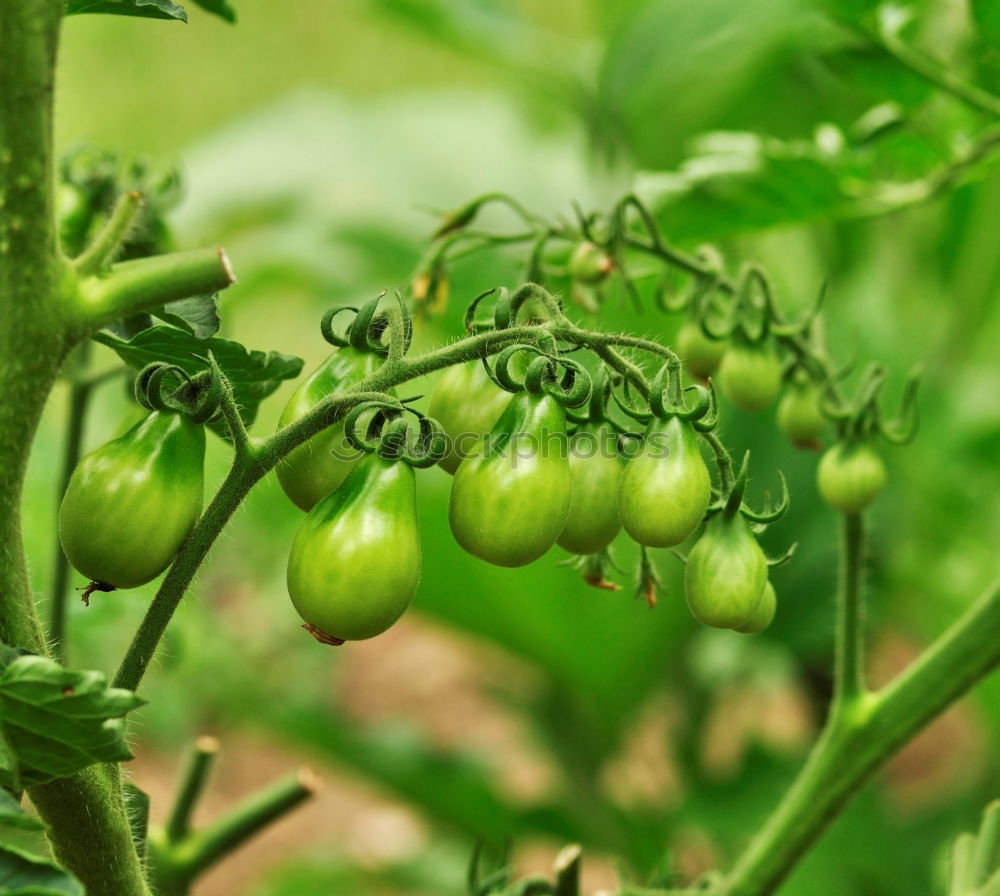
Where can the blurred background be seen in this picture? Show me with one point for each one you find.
(320, 143)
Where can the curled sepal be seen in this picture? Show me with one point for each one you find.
(774, 562)
(595, 569)
(469, 319)
(368, 329)
(509, 305)
(804, 324)
(169, 388)
(666, 395)
(903, 429)
(326, 325)
(648, 584)
(770, 513)
(572, 389)
(388, 434)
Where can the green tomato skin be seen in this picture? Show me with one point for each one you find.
(701, 354)
(750, 376)
(314, 469)
(132, 502)
(763, 615)
(799, 415)
(725, 574)
(850, 476)
(666, 488)
(589, 264)
(511, 496)
(595, 473)
(355, 560)
(466, 402)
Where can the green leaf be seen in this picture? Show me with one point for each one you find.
(56, 722)
(22, 874)
(253, 374)
(199, 315)
(147, 9)
(13, 816)
(218, 7)
(986, 15)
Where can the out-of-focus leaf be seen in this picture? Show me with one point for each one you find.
(198, 315)
(218, 7)
(253, 374)
(22, 874)
(148, 9)
(986, 15)
(13, 816)
(56, 721)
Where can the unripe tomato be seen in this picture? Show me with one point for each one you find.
(850, 476)
(750, 376)
(666, 487)
(355, 561)
(764, 614)
(800, 416)
(466, 402)
(700, 353)
(726, 573)
(511, 495)
(595, 472)
(131, 502)
(314, 469)
(590, 263)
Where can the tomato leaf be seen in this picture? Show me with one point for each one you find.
(253, 374)
(56, 721)
(13, 816)
(147, 9)
(22, 874)
(199, 315)
(218, 7)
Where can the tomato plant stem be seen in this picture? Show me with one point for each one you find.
(849, 672)
(193, 781)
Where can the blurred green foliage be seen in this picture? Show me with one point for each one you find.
(317, 142)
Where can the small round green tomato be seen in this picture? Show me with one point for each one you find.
(590, 264)
(355, 561)
(314, 469)
(851, 475)
(466, 402)
(764, 614)
(511, 495)
(699, 352)
(132, 502)
(595, 472)
(750, 376)
(800, 416)
(725, 574)
(666, 487)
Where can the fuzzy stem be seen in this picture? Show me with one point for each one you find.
(100, 252)
(192, 785)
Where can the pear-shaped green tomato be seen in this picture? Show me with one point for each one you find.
(666, 487)
(725, 574)
(800, 416)
(511, 495)
(764, 614)
(355, 561)
(466, 402)
(595, 472)
(750, 376)
(314, 469)
(850, 476)
(700, 353)
(131, 502)
(590, 264)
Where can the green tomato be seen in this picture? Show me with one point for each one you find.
(800, 416)
(699, 352)
(511, 495)
(355, 561)
(466, 402)
(725, 574)
(764, 614)
(314, 469)
(595, 472)
(750, 376)
(590, 264)
(131, 502)
(851, 475)
(666, 487)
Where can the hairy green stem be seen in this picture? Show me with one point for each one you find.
(860, 737)
(102, 250)
(193, 781)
